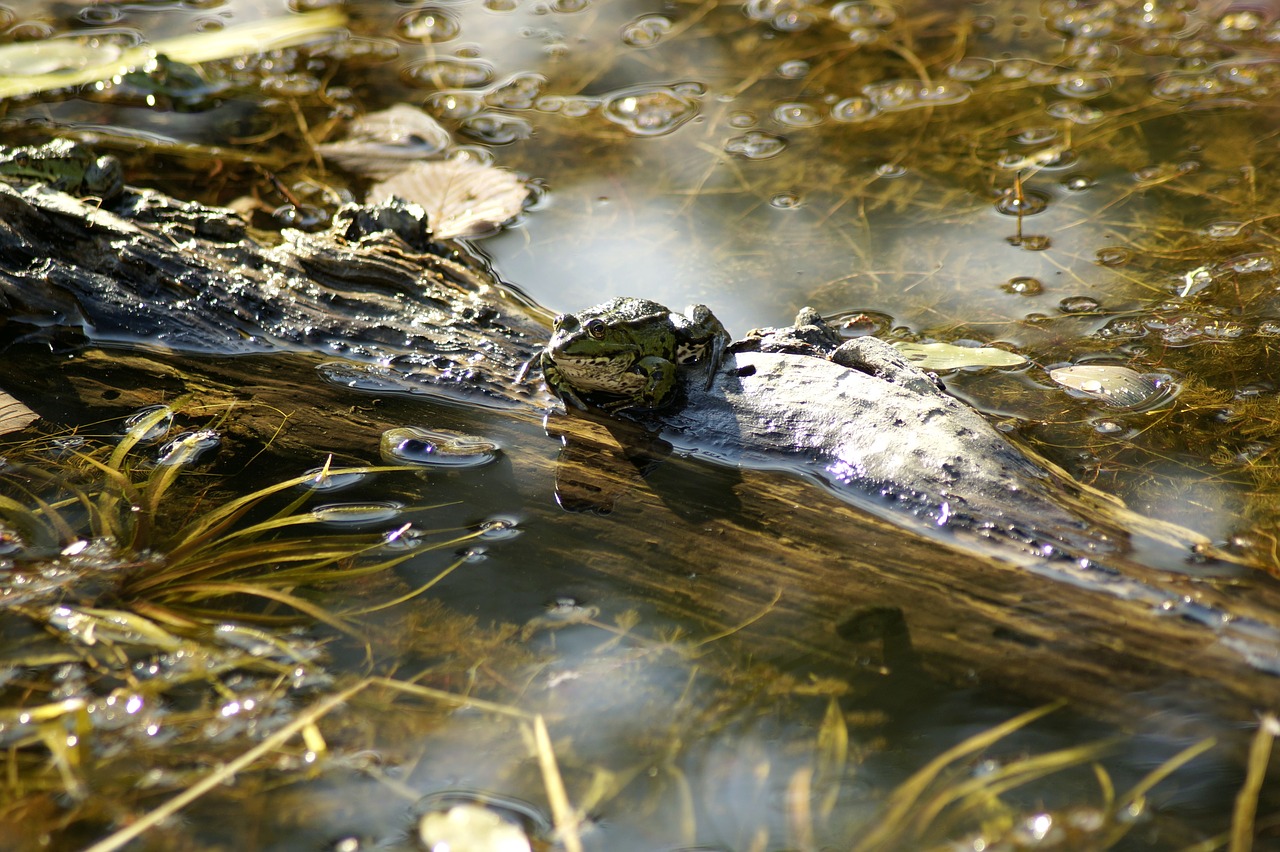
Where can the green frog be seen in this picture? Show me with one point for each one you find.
(626, 353)
(66, 165)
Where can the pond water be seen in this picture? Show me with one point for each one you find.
(1087, 185)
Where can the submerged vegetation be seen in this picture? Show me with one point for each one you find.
(199, 651)
(165, 638)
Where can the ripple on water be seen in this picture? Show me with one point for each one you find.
(652, 110)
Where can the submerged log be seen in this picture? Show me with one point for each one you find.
(406, 314)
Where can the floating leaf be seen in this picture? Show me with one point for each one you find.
(947, 356)
(462, 198)
(1117, 386)
(382, 143)
(14, 415)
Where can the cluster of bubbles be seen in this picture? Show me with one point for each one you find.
(1222, 79)
(865, 22)
(653, 110)
(1204, 49)
(1177, 325)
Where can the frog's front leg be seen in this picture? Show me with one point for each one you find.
(659, 385)
(873, 356)
(557, 385)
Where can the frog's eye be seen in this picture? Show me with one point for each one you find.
(595, 328)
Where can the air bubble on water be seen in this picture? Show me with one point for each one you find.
(860, 14)
(1038, 135)
(1224, 230)
(797, 115)
(150, 424)
(1084, 85)
(495, 128)
(1252, 263)
(323, 479)
(435, 448)
(498, 529)
(651, 111)
(1026, 203)
(1269, 328)
(785, 201)
(755, 146)
(1079, 305)
(428, 25)
(188, 448)
(854, 110)
(793, 21)
(971, 69)
(1023, 286)
(1239, 25)
(1112, 256)
(741, 119)
(891, 170)
(455, 105)
(1016, 69)
(646, 30)
(357, 514)
(1079, 183)
(520, 91)
(1075, 112)
(447, 73)
(793, 69)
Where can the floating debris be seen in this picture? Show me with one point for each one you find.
(462, 198)
(382, 143)
(948, 356)
(14, 415)
(468, 821)
(1117, 386)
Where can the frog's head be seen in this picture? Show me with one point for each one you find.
(589, 336)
